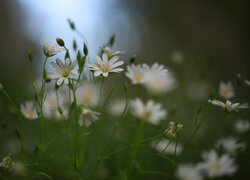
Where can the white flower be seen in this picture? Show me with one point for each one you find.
(110, 52)
(226, 90)
(188, 172)
(29, 110)
(242, 126)
(230, 145)
(117, 106)
(137, 73)
(152, 112)
(215, 166)
(228, 106)
(87, 94)
(247, 82)
(160, 146)
(159, 80)
(51, 106)
(7, 163)
(88, 116)
(63, 72)
(177, 57)
(105, 66)
(49, 48)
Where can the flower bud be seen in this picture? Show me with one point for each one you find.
(60, 42)
(60, 110)
(1, 87)
(72, 25)
(132, 59)
(169, 133)
(74, 45)
(112, 40)
(30, 55)
(239, 79)
(85, 49)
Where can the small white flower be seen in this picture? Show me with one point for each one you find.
(215, 166)
(226, 90)
(152, 112)
(242, 126)
(110, 52)
(105, 66)
(160, 146)
(63, 72)
(247, 82)
(188, 172)
(230, 145)
(29, 110)
(117, 107)
(7, 163)
(137, 73)
(159, 80)
(87, 94)
(50, 49)
(177, 57)
(88, 116)
(228, 106)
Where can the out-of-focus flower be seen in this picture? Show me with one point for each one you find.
(88, 116)
(160, 146)
(177, 57)
(198, 90)
(188, 172)
(51, 106)
(87, 94)
(105, 66)
(110, 52)
(49, 48)
(228, 106)
(7, 163)
(137, 73)
(117, 106)
(215, 166)
(174, 128)
(159, 80)
(247, 82)
(18, 168)
(242, 126)
(226, 90)
(151, 112)
(63, 72)
(29, 110)
(230, 145)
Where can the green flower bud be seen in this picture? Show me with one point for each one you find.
(1, 87)
(132, 59)
(112, 40)
(60, 110)
(60, 42)
(72, 25)
(239, 79)
(85, 49)
(30, 55)
(74, 45)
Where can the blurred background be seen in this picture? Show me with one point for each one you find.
(201, 42)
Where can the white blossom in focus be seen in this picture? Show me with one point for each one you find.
(110, 52)
(49, 48)
(228, 106)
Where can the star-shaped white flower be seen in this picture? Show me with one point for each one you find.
(49, 48)
(88, 116)
(63, 72)
(105, 66)
(230, 145)
(29, 110)
(226, 90)
(137, 73)
(228, 106)
(110, 52)
(242, 126)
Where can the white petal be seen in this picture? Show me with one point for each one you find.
(98, 60)
(59, 81)
(117, 64)
(97, 73)
(105, 74)
(105, 58)
(113, 60)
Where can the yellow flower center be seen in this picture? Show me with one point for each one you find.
(51, 48)
(216, 167)
(137, 78)
(86, 114)
(29, 114)
(104, 68)
(88, 97)
(52, 103)
(225, 92)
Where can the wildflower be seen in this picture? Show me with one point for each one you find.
(247, 82)
(87, 94)
(242, 126)
(117, 107)
(88, 115)
(188, 172)
(177, 57)
(228, 106)
(29, 110)
(50, 49)
(105, 66)
(159, 80)
(174, 128)
(215, 166)
(63, 72)
(136, 73)
(160, 146)
(152, 112)
(110, 52)
(226, 90)
(230, 145)
(7, 163)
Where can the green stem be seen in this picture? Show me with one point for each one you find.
(165, 147)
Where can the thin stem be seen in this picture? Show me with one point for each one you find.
(165, 147)
(175, 149)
